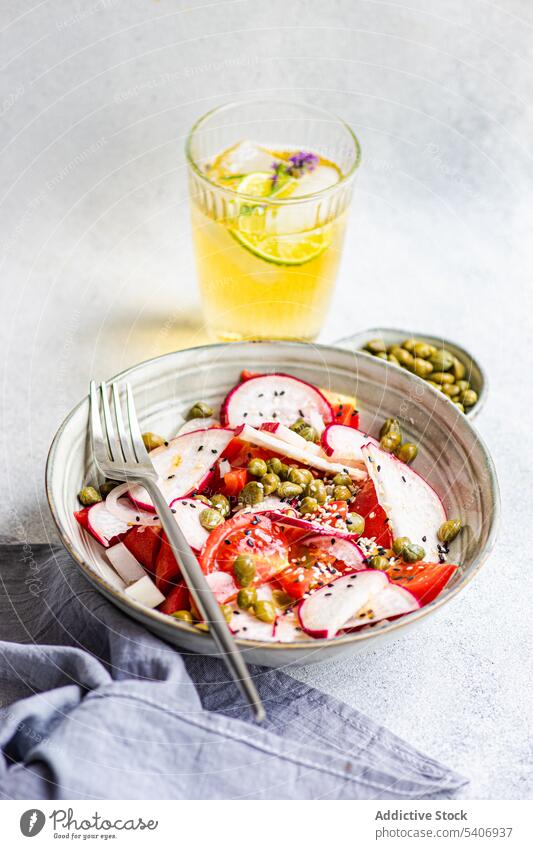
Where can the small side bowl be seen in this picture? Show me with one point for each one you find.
(390, 336)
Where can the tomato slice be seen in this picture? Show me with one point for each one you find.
(251, 534)
(424, 580)
(177, 599)
(167, 571)
(376, 522)
(309, 569)
(346, 414)
(234, 482)
(143, 543)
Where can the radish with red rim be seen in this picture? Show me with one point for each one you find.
(343, 443)
(101, 524)
(274, 397)
(285, 434)
(327, 610)
(389, 603)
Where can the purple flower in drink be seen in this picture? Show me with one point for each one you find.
(301, 163)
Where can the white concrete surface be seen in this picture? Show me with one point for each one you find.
(96, 267)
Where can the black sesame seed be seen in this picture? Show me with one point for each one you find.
(214, 450)
(165, 444)
(227, 542)
(200, 448)
(137, 518)
(170, 477)
(327, 595)
(379, 469)
(250, 542)
(404, 479)
(172, 509)
(424, 539)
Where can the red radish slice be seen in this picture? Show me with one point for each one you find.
(413, 508)
(246, 626)
(288, 629)
(390, 602)
(269, 441)
(222, 585)
(103, 526)
(327, 610)
(197, 424)
(124, 563)
(187, 463)
(342, 548)
(187, 515)
(287, 435)
(274, 397)
(343, 444)
(123, 509)
(145, 592)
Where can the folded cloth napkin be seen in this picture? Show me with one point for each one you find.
(96, 707)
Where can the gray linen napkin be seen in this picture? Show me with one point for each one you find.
(94, 706)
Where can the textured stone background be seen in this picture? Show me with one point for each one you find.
(96, 266)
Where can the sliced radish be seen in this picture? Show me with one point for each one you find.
(246, 626)
(340, 546)
(145, 592)
(388, 603)
(222, 586)
(187, 463)
(274, 397)
(343, 444)
(288, 629)
(125, 564)
(187, 515)
(197, 424)
(413, 508)
(123, 509)
(104, 527)
(270, 441)
(291, 519)
(287, 435)
(327, 610)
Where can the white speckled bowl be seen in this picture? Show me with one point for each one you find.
(452, 457)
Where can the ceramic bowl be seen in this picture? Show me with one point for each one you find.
(452, 457)
(392, 336)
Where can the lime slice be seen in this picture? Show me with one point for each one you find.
(293, 249)
(259, 184)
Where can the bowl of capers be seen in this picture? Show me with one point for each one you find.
(443, 365)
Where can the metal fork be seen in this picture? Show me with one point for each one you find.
(124, 457)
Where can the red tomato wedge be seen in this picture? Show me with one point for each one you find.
(309, 570)
(246, 374)
(234, 482)
(177, 599)
(144, 544)
(424, 580)
(250, 534)
(346, 414)
(376, 522)
(167, 571)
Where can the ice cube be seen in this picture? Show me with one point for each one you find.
(243, 158)
(322, 177)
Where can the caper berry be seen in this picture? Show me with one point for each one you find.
(247, 597)
(450, 389)
(342, 480)
(382, 356)
(244, 570)
(200, 411)
(286, 489)
(449, 530)
(316, 489)
(463, 385)
(390, 425)
(203, 498)
(270, 483)
(342, 493)
(379, 562)
(376, 346)
(355, 523)
(89, 495)
(458, 368)
(257, 467)
(298, 425)
(404, 357)
(443, 377)
(252, 493)
(422, 367)
(422, 349)
(407, 452)
(409, 344)
(183, 616)
(459, 405)
(152, 440)
(308, 505)
(107, 487)
(412, 553)
(210, 519)
(265, 611)
(399, 544)
(392, 359)
(227, 612)
(274, 465)
(308, 433)
(390, 441)
(442, 360)
(468, 398)
(282, 599)
(221, 503)
(300, 476)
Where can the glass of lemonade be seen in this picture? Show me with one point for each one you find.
(270, 184)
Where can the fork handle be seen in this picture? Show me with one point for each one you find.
(206, 601)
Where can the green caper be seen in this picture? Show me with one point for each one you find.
(252, 493)
(89, 495)
(392, 359)
(451, 390)
(409, 344)
(355, 523)
(468, 398)
(449, 530)
(257, 467)
(270, 483)
(210, 519)
(298, 425)
(379, 562)
(244, 570)
(433, 384)
(342, 493)
(376, 346)
(282, 599)
(463, 385)
(459, 405)
(201, 626)
(221, 503)
(422, 367)
(407, 452)
(286, 489)
(300, 476)
(200, 411)
(422, 349)
(442, 377)
(412, 553)
(316, 489)
(152, 440)
(227, 612)
(382, 355)
(265, 611)
(107, 487)
(390, 442)
(247, 597)
(308, 433)
(458, 368)
(399, 544)
(274, 465)
(308, 505)
(183, 616)
(342, 480)
(442, 360)
(404, 357)
(390, 425)
(203, 498)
